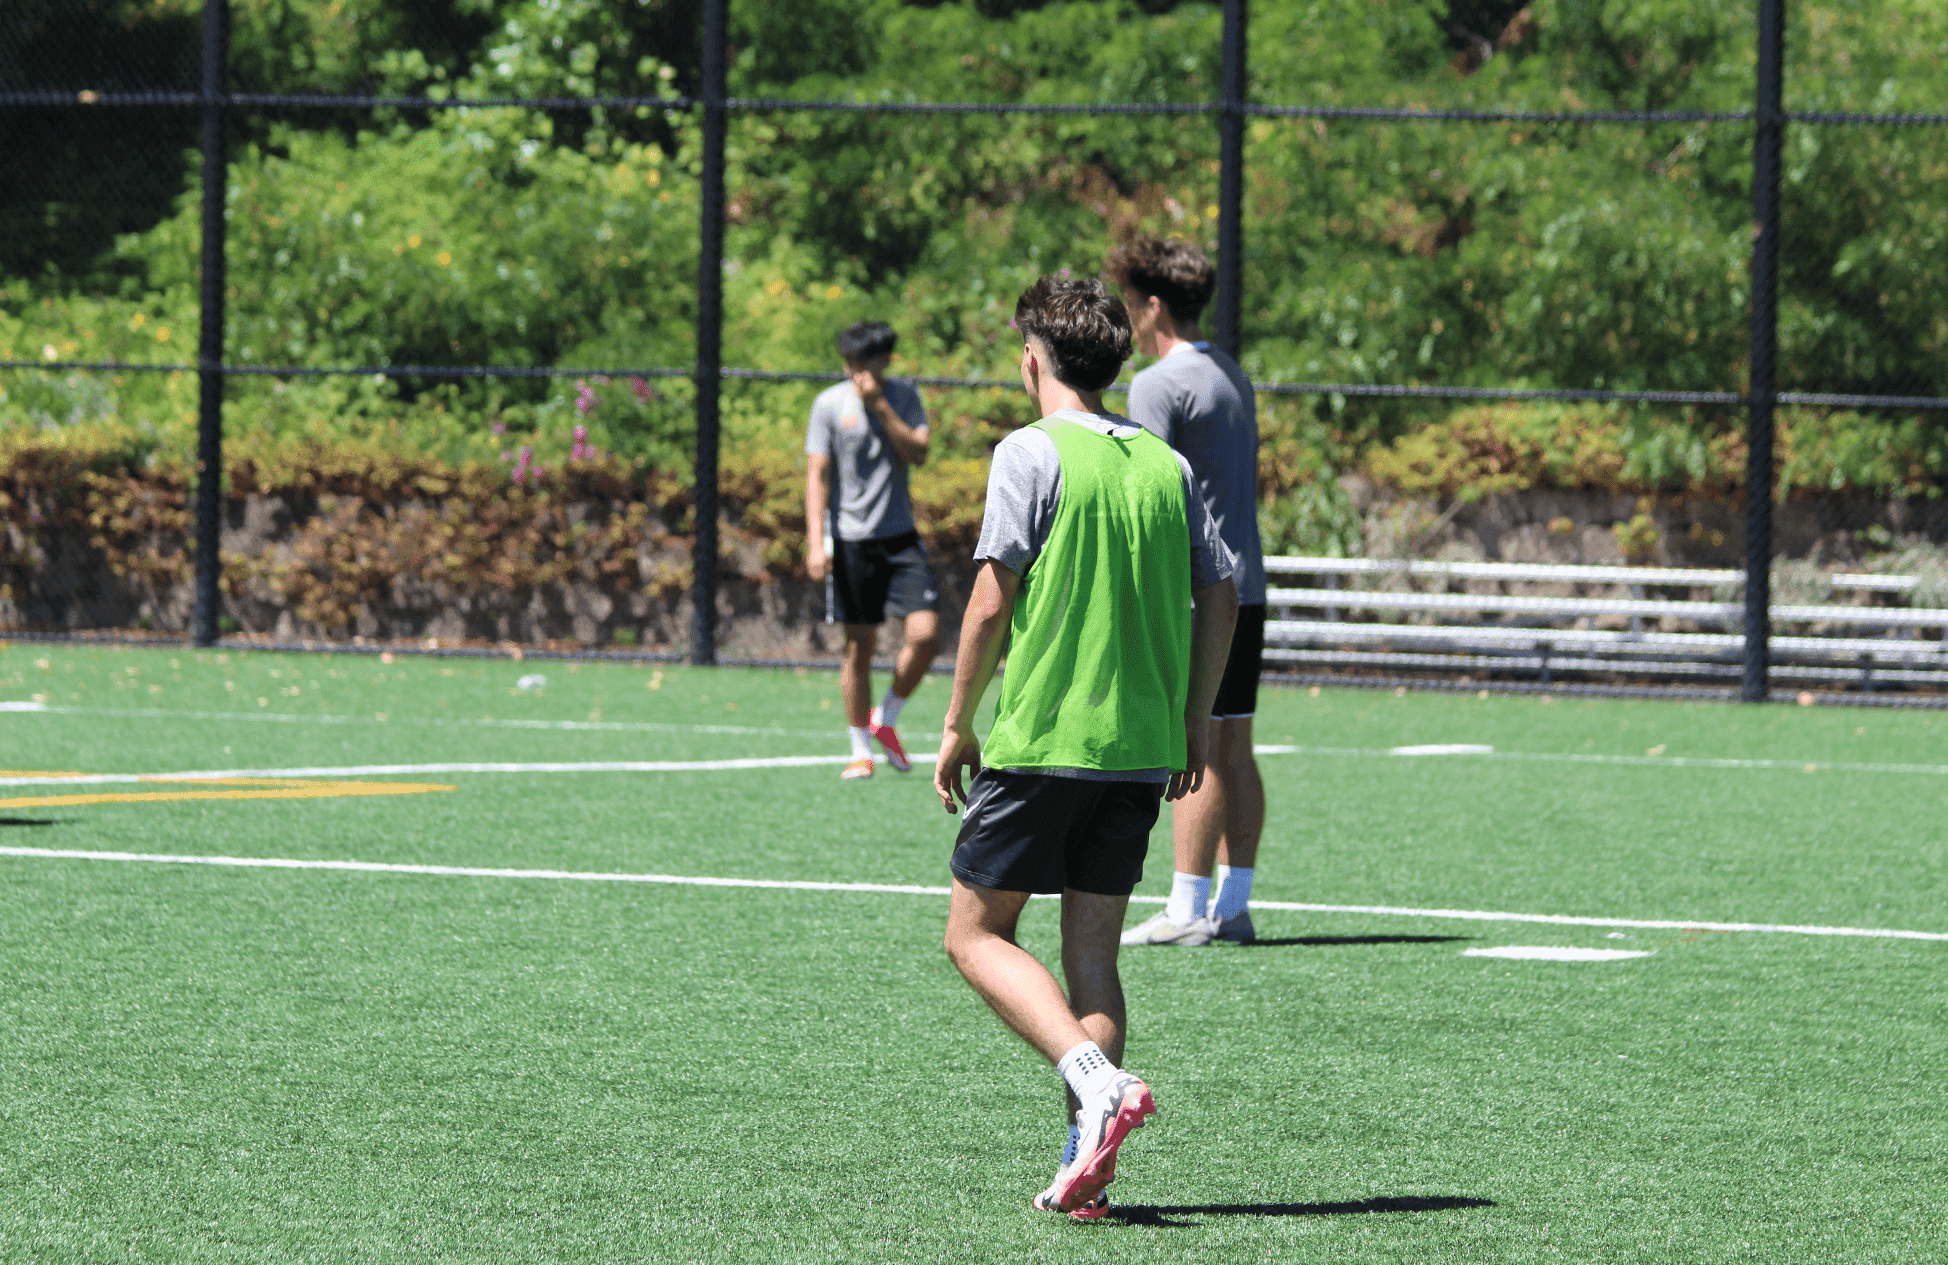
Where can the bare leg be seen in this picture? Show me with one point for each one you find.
(916, 656)
(856, 673)
(1244, 802)
(981, 945)
(1091, 926)
(1197, 820)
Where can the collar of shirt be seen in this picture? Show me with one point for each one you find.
(1105, 423)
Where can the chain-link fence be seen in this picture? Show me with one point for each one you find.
(472, 366)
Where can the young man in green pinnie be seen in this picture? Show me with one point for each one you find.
(1101, 570)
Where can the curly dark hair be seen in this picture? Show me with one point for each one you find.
(1083, 327)
(1174, 271)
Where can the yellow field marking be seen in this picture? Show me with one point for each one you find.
(259, 788)
(38, 773)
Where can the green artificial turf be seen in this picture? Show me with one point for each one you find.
(228, 1064)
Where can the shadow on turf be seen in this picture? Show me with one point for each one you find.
(28, 821)
(1265, 942)
(1158, 1215)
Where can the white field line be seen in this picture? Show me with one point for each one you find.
(370, 770)
(288, 718)
(1554, 953)
(685, 880)
(1471, 751)
(625, 726)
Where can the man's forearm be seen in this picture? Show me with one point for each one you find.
(1216, 614)
(984, 627)
(817, 496)
(908, 442)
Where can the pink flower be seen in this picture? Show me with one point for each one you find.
(581, 433)
(640, 387)
(500, 428)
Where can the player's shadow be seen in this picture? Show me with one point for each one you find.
(1164, 1215)
(1274, 942)
(28, 821)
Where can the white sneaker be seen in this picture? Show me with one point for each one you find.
(1237, 928)
(1158, 929)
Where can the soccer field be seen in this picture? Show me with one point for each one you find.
(226, 1063)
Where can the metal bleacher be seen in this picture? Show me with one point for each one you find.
(1595, 620)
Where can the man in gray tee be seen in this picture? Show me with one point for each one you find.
(1197, 399)
(860, 538)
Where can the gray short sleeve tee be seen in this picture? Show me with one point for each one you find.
(869, 494)
(1024, 487)
(1200, 402)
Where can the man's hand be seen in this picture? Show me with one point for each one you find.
(1197, 749)
(816, 560)
(957, 751)
(870, 386)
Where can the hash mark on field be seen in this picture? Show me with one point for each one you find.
(1554, 953)
(910, 889)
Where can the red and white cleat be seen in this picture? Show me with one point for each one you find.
(888, 738)
(1104, 1122)
(862, 767)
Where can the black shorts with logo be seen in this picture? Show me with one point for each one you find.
(1035, 832)
(871, 577)
(1237, 695)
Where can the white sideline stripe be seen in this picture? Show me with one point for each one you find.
(370, 770)
(909, 889)
(1554, 953)
(468, 871)
(603, 726)
(1571, 920)
(1565, 757)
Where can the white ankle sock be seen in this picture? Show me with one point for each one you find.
(1087, 1069)
(1189, 893)
(862, 743)
(889, 708)
(1233, 891)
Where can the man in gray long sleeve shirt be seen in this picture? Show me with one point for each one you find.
(1197, 399)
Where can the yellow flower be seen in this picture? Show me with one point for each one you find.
(835, 292)
(136, 321)
(162, 335)
(445, 259)
(413, 241)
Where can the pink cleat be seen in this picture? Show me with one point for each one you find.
(1104, 1122)
(886, 737)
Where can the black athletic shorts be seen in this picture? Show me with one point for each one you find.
(1032, 832)
(870, 577)
(1237, 695)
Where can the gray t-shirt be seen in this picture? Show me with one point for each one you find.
(1024, 488)
(1197, 400)
(869, 496)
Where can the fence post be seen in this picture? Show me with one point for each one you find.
(710, 340)
(1770, 119)
(1231, 180)
(209, 348)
